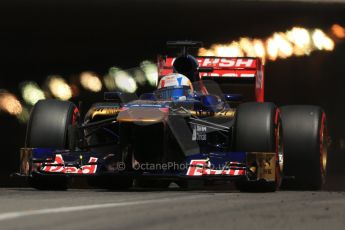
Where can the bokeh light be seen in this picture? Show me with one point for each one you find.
(259, 48)
(300, 38)
(31, 92)
(59, 88)
(90, 81)
(139, 76)
(9, 103)
(338, 31)
(118, 79)
(322, 41)
(295, 42)
(151, 72)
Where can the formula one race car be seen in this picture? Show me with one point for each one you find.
(207, 120)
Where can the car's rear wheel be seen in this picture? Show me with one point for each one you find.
(48, 128)
(258, 129)
(305, 147)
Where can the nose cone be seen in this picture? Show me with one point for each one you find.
(145, 115)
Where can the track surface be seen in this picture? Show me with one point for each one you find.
(25, 208)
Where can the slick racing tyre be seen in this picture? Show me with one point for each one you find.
(258, 129)
(49, 123)
(305, 147)
(48, 128)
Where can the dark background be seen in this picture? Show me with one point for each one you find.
(39, 38)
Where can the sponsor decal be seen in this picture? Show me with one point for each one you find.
(58, 166)
(227, 62)
(203, 167)
(229, 74)
(266, 165)
(199, 133)
(219, 62)
(174, 79)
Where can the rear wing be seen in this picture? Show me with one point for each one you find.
(240, 75)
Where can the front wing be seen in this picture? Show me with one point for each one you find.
(217, 166)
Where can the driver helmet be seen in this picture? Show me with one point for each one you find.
(174, 86)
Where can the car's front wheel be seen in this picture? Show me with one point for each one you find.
(48, 128)
(258, 129)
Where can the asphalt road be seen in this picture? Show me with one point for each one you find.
(25, 208)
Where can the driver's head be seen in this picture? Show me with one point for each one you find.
(174, 87)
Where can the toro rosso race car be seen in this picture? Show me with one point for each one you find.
(206, 120)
